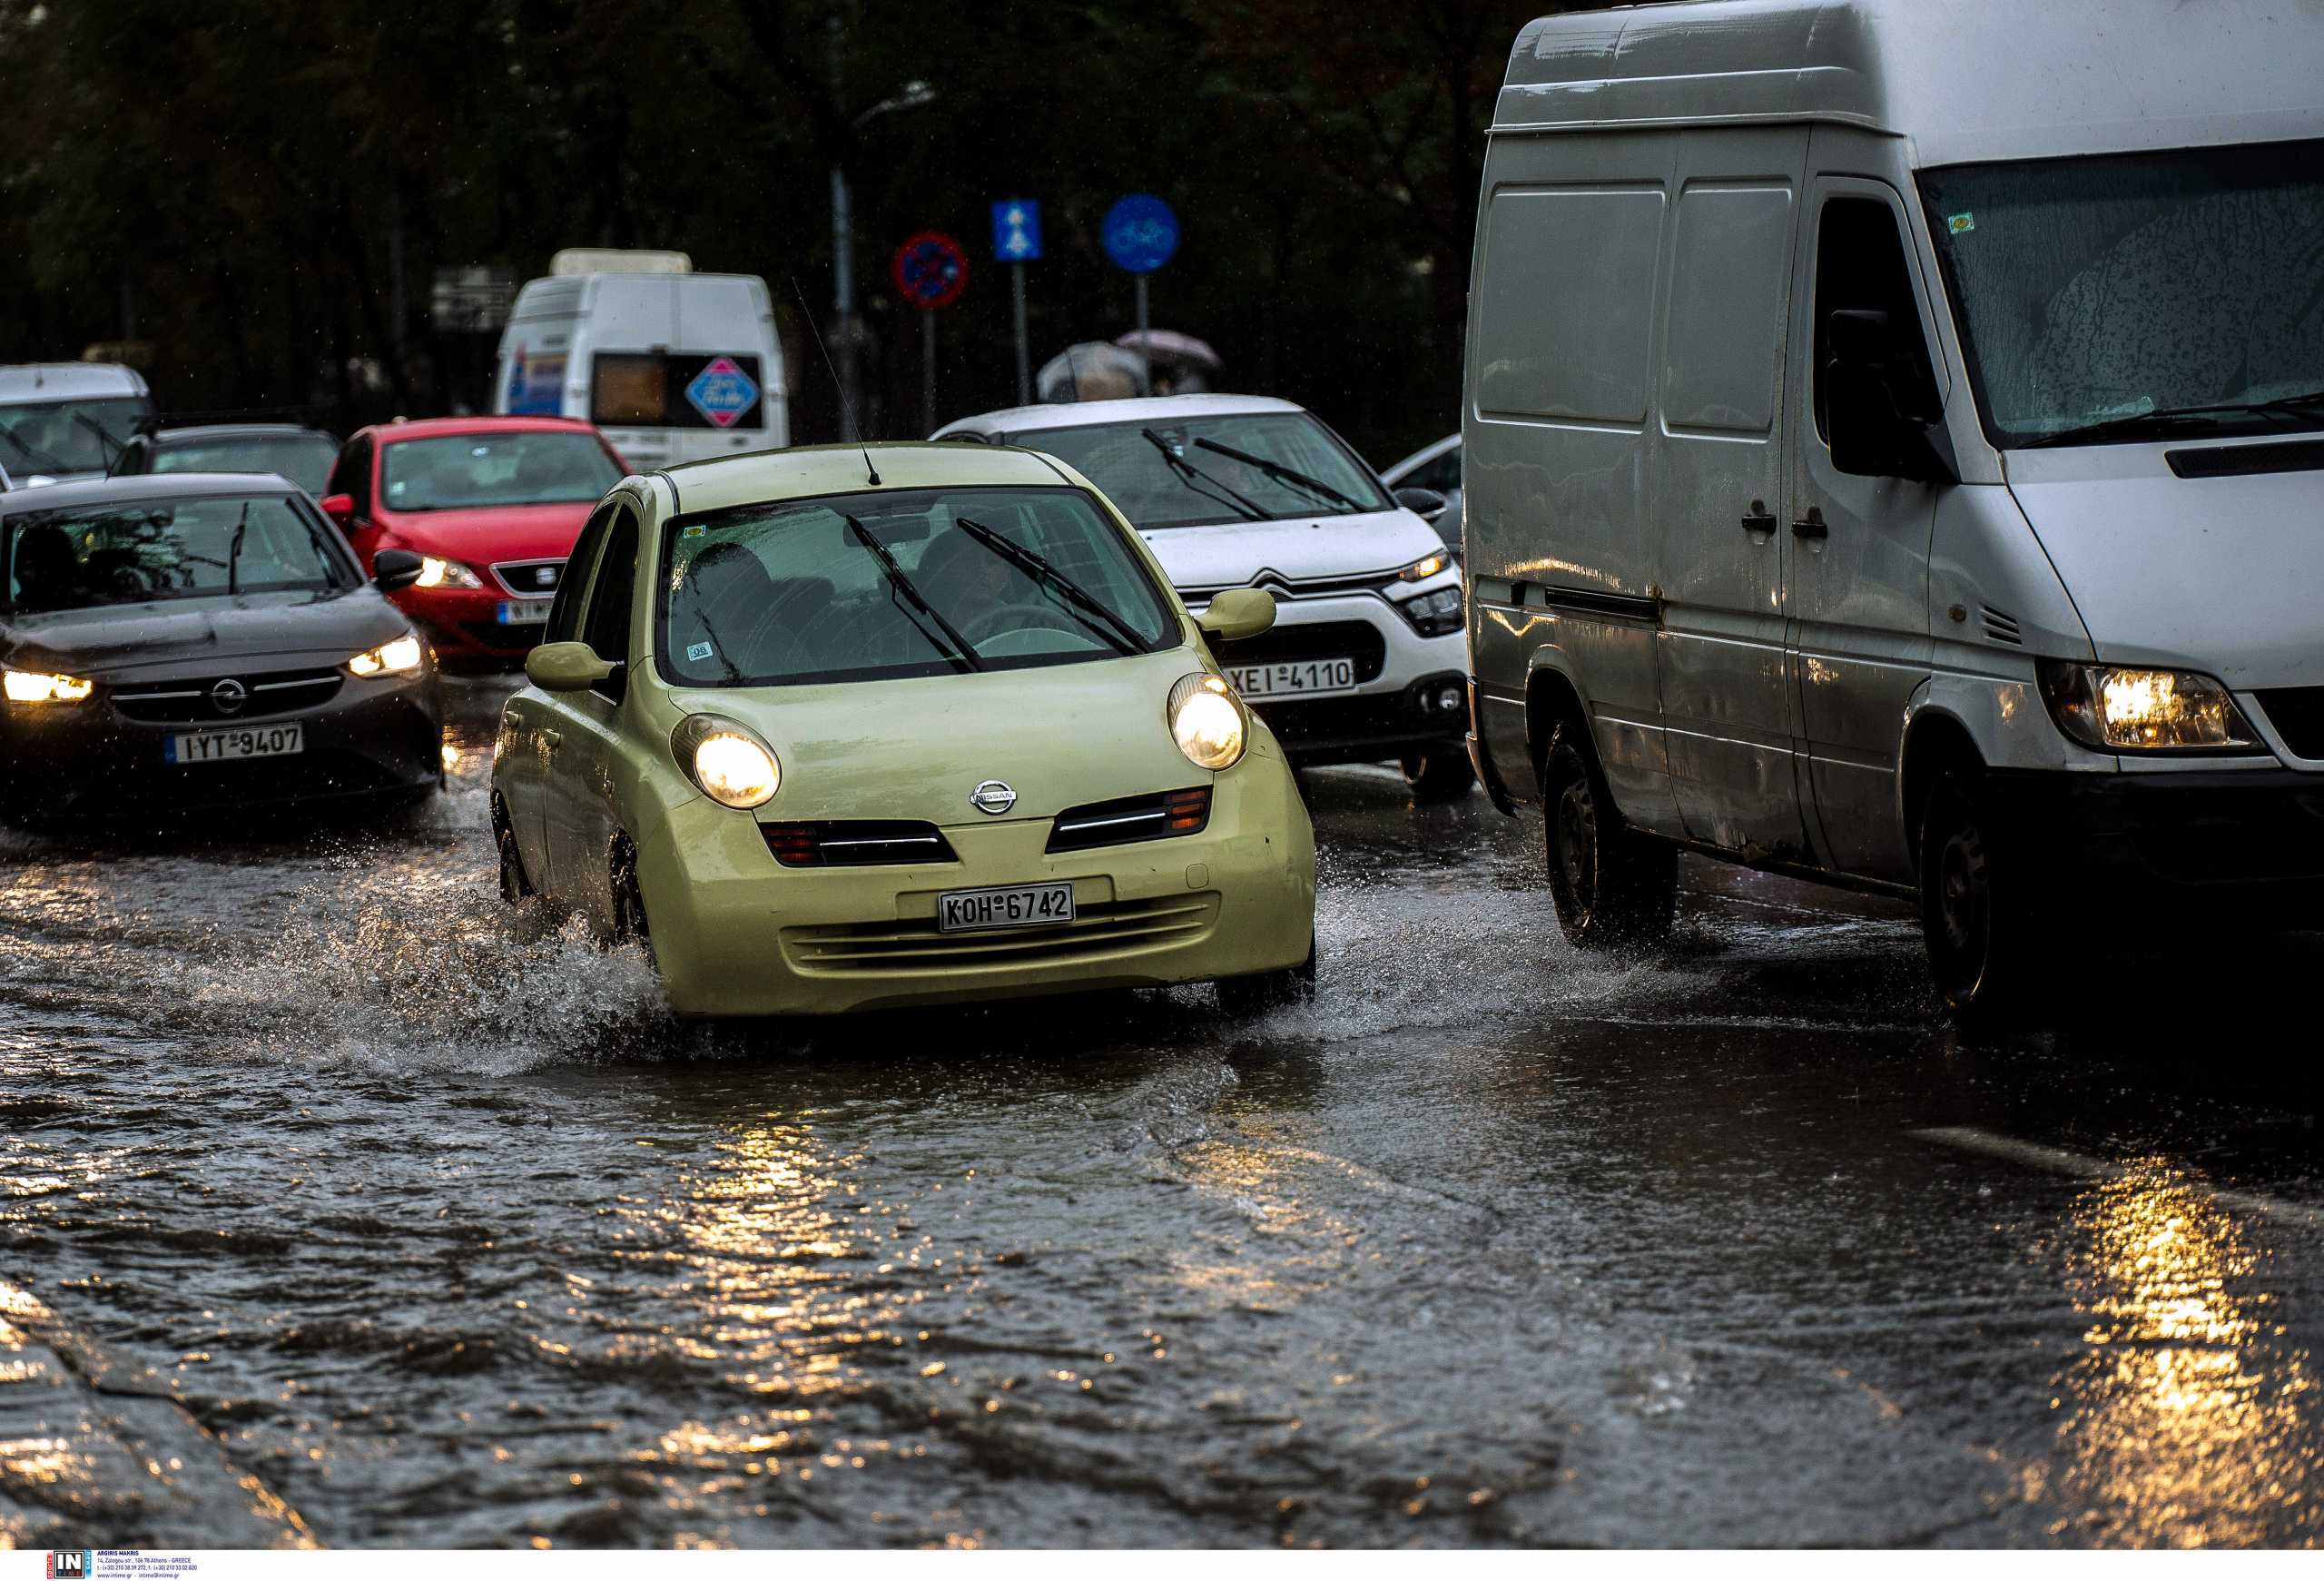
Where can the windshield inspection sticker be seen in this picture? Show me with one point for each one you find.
(699, 651)
(1957, 223)
(697, 530)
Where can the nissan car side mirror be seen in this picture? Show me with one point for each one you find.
(565, 667)
(1239, 613)
(1869, 432)
(394, 568)
(1425, 503)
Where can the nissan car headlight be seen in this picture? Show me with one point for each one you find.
(400, 658)
(2116, 709)
(1207, 722)
(23, 687)
(436, 573)
(726, 761)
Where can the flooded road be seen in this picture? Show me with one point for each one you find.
(339, 1204)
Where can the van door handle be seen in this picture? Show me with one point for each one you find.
(1811, 525)
(1759, 519)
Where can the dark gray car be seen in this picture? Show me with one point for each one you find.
(185, 644)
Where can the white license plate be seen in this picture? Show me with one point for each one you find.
(1303, 678)
(524, 611)
(249, 741)
(1020, 905)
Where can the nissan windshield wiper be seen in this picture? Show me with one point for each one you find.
(1107, 625)
(2166, 420)
(961, 655)
(1200, 481)
(1276, 469)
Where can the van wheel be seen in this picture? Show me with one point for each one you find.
(1614, 888)
(1443, 774)
(1242, 997)
(1975, 914)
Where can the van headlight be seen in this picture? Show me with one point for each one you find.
(400, 658)
(1207, 722)
(24, 686)
(2116, 709)
(726, 761)
(436, 573)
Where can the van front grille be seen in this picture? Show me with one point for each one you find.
(2001, 627)
(914, 947)
(2298, 714)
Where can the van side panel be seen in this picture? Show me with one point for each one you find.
(1715, 489)
(1561, 392)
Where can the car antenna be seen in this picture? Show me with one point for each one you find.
(846, 407)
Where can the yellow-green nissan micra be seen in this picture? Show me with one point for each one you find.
(834, 728)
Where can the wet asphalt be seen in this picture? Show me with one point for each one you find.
(339, 1204)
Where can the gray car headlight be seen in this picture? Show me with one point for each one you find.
(2115, 708)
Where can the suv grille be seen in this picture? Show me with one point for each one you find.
(2298, 714)
(861, 842)
(264, 695)
(1357, 639)
(1132, 818)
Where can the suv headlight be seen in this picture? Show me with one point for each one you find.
(1434, 614)
(23, 687)
(2115, 709)
(400, 658)
(436, 573)
(726, 761)
(1207, 722)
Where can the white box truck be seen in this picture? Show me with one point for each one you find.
(1894, 455)
(673, 366)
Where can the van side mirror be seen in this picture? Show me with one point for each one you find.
(565, 667)
(1238, 614)
(1425, 503)
(340, 507)
(394, 568)
(1869, 432)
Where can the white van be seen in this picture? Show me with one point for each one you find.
(62, 422)
(1894, 455)
(673, 366)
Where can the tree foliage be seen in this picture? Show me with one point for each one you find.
(262, 191)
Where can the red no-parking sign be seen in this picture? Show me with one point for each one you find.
(931, 270)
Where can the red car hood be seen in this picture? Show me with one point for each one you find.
(486, 537)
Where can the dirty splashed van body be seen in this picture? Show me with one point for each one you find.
(1895, 457)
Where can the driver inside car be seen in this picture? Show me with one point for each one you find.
(48, 573)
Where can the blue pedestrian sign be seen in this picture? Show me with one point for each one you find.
(1141, 234)
(1016, 231)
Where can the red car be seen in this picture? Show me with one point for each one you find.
(492, 504)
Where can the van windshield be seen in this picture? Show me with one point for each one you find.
(1182, 471)
(64, 436)
(2100, 293)
(905, 582)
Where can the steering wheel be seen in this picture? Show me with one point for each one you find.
(988, 629)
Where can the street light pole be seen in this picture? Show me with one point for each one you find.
(846, 331)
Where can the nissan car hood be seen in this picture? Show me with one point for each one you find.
(2224, 575)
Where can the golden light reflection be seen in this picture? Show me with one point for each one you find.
(2183, 1421)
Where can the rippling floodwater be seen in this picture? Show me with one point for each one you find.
(449, 1236)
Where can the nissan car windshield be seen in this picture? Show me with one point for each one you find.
(2139, 296)
(146, 550)
(1195, 471)
(906, 582)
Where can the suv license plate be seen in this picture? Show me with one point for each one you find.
(1303, 678)
(250, 741)
(1020, 905)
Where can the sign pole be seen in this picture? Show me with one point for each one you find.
(927, 373)
(1024, 343)
(1144, 352)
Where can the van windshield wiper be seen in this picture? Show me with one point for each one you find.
(1200, 481)
(961, 655)
(108, 447)
(34, 453)
(1107, 625)
(2165, 419)
(1276, 469)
